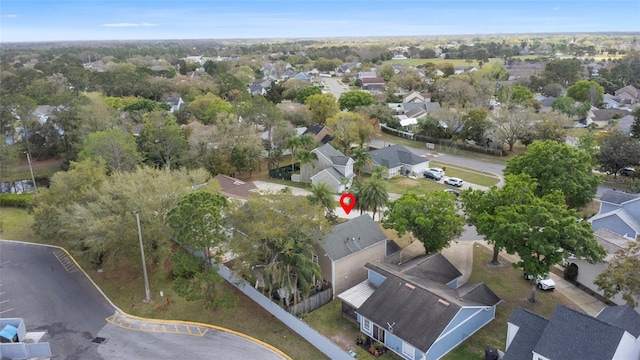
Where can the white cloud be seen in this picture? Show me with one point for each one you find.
(11, 16)
(129, 25)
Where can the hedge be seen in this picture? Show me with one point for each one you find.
(15, 200)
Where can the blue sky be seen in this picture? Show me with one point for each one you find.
(31, 20)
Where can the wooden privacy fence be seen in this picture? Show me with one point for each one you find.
(312, 302)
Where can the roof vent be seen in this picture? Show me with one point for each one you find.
(445, 303)
(409, 286)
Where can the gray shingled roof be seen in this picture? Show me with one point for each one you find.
(624, 216)
(571, 334)
(531, 327)
(351, 236)
(415, 313)
(623, 317)
(617, 197)
(433, 267)
(332, 154)
(394, 156)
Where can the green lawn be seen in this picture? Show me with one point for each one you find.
(466, 174)
(508, 284)
(404, 185)
(15, 224)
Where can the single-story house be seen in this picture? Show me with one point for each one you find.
(619, 213)
(176, 103)
(343, 252)
(398, 160)
(629, 94)
(234, 188)
(373, 84)
(331, 168)
(571, 334)
(605, 117)
(414, 310)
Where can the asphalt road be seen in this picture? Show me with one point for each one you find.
(332, 86)
(44, 287)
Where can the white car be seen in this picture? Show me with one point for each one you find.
(437, 171)
(453, 182)
(543, 282)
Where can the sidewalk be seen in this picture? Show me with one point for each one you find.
(461, 255)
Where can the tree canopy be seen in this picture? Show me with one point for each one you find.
(351, 99)
(617, 151)
(433, 218)
(622, 275)
(557, 166)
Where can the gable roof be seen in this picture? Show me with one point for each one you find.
(334, 173)
(607, 114)
(401, 300)
(531, 326)
(351, 236)
(432, 266)
(373, 80)
(395, 156)
(624, 216)
(623, 317)
(333, 155)
(629, 89)
(618, 197)
(234, 188)
(571, 334)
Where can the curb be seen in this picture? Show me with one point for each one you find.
(210, 326)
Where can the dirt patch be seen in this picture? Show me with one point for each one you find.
(39, 164)
(343, 340)
(408, 182)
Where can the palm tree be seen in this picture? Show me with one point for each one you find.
(379, 171)
(361, 159)
(374, 194)
(308, 142)
(305, 157)
(321, 194)
(292, 143)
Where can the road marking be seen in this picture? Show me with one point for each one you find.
(4, 311)
(151, 326)
(64, 259)
(4, 301)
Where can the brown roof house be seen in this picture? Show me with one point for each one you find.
(343, 253)
(234, 188)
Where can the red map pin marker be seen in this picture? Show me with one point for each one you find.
(348, 202)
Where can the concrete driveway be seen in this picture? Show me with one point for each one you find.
(44, 286)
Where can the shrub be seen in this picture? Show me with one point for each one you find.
(571, 272)
(15, 200)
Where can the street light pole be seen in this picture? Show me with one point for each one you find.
(144, 264)
(35, 187)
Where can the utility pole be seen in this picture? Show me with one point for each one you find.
(33, 179)
(144, 263)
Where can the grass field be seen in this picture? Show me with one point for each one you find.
(469, 175)
(15, 224)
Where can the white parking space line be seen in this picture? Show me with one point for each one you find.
(4, 301)
(4, 311)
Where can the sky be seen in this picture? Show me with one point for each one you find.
(58, 20)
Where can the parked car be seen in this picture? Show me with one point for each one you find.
(543, 282)
(432, 175)
(453, 182)
(437, 171)
(628, 171)
(451, 191)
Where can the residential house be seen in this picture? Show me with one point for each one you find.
(605, 117)
(321, 133)
(571, 334)
(611, 102)
(415, 109)
(332, 168)
(398, 160)
(587, 271)
(629, 94)
(176, 103)
(373, 84)
(347, 68)
(289, 73)
(624, 124)
(416, 310)
(416, 97)
(367, 75)
(545, 102)
(234, 188)
(302, 76)
(619, 213)
(343, 253)
(407, 123)
(257, 90)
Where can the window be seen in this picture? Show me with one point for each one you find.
(408, 350)
(314, 258)
(366, 325)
